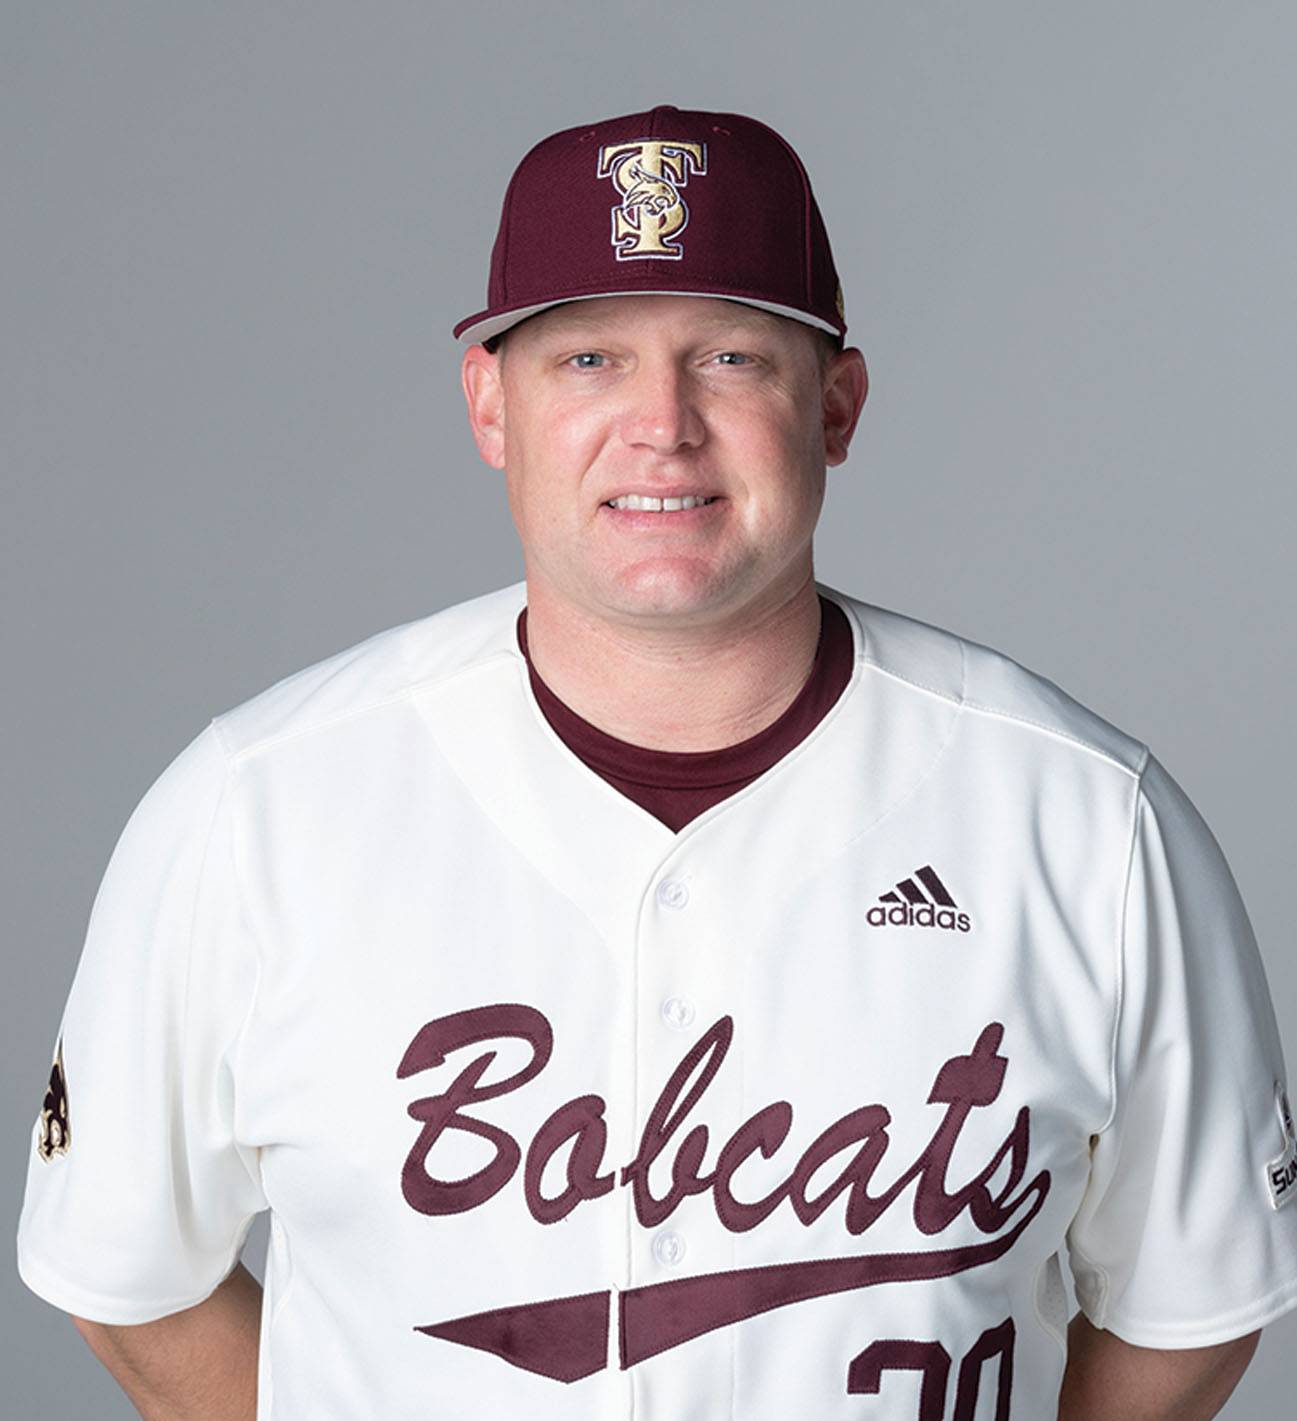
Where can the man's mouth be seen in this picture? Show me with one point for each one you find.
(646, 503)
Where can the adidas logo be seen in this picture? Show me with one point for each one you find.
(908, 906)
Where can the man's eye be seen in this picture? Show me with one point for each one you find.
(733, 357)
(586, 360)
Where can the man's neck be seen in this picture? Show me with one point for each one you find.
(685, 688)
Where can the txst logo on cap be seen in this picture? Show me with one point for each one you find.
(649, 175)
(560, 239)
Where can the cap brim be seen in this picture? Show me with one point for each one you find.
(488, 323)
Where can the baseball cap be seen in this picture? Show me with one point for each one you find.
(669, 202)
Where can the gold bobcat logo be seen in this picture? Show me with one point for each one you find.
(649, 174)
(56, 1132)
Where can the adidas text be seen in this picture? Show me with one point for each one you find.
(922, 915)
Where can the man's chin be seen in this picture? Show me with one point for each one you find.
(662, 597)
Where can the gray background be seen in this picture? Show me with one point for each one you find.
(235, 238)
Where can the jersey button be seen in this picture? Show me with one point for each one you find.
(669, 1247)
(678, 1012)
(672, 893)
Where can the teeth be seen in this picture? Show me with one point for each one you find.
(643, 503)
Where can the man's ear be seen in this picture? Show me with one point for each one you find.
(846, 383)
(483, 385)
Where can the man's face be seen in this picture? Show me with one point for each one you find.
(663, 397)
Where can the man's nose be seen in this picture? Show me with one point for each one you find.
(661, 410)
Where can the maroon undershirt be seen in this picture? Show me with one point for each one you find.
(676, 786)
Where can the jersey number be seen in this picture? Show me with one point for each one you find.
(865, 1374)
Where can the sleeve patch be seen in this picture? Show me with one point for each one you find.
(55, 1131)
(1281, 1173)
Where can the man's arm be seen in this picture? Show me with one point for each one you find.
(1110, 1380)
(195, 1365)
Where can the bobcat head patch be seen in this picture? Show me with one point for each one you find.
(56, 1131)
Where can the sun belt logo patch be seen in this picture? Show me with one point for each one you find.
(1281, 1173)
(649, 173)
(920, 901)
(55, 1131)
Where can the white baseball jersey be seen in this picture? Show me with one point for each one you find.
(561, 1114)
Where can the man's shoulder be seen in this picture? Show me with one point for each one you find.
(378, 671)
(985, 681)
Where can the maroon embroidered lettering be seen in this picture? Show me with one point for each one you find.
(430, 1047)
(582, 1119)
(663, 1122)
(963, 1084)
(566, 1337)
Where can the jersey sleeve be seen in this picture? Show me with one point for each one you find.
(139, 1195)
(1186, 1235)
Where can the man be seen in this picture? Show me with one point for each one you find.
(667, 986)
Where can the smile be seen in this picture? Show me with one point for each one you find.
(644, 503)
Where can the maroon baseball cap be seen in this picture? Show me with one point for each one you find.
(670, 202)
